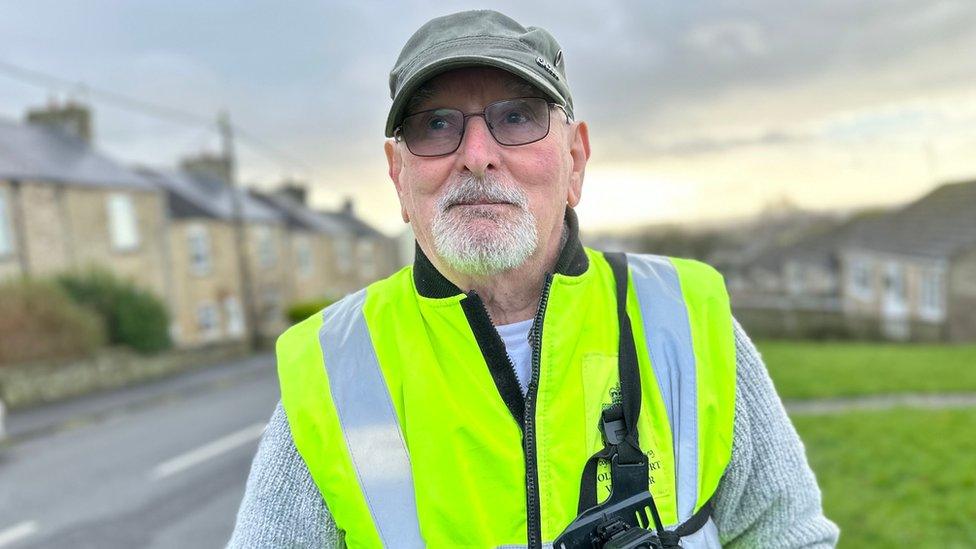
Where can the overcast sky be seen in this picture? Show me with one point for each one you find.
(697, 110)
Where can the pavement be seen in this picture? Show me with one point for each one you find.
(842, 405)
(161, 465)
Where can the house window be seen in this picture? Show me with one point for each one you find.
(198, 245)
(343, 252)
(271, 305)
(122, 222)
(6, 227)
(793, 274)
(930, 295)
(860, 281)
(235, 316)
(303, 256)
(367, 258)
(208, 321)
(267, 254)
(895, 284)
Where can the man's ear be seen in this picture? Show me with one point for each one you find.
(394, 162)
(579, 151)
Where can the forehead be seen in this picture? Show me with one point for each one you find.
(469, 85)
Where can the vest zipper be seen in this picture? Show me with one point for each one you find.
(534, 514)
(494, 351)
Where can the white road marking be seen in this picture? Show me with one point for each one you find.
(208, 451)
(18, 532)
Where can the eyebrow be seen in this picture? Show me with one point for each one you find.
(523, 88)
(424, 93)
(427, 90)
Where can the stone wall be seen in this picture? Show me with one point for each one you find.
(799, 324)
(26, 385)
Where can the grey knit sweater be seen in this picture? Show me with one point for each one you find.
(767, 498)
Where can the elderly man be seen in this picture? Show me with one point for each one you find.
(514, 388)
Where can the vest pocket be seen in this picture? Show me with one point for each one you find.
(601, 389)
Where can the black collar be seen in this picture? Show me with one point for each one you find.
(430, 282)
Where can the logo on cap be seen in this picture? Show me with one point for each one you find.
(548, 66)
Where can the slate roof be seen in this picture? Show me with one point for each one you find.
(819, 246)
(37, 153)
(299, 216)
(937, 225)
(197, 195)
(353, 224)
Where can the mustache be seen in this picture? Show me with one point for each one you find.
(471, 189)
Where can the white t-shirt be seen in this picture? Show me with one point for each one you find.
(516, 339)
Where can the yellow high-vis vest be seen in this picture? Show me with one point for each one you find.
(405, 407)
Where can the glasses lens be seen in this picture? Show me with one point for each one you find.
(433, 133)
(518, 121)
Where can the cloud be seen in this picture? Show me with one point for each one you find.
(688, 80)
(729, 40)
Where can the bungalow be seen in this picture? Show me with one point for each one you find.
(913, 271)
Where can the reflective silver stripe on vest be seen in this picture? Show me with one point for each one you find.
(667, 334)
(369, 422)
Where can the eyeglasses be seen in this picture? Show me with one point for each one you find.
(511, 122)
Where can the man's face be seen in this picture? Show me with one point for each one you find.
(486, 207)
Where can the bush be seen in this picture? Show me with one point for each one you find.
(298, 312)
(38, 321)
(133, 317)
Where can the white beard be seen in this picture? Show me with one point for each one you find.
(483, 252)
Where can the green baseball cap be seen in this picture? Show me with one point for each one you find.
(477, 38)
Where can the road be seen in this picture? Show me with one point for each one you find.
(158, 466)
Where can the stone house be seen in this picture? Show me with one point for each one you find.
(310, 249)
(64, 205)
(363, 254)
(209, 305)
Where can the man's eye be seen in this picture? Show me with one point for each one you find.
(437, 124)
(517, 117)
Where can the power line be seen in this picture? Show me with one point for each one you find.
(169, 114)
(120, 100)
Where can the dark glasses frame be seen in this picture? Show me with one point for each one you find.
(398, 131)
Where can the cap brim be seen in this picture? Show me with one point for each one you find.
(445, 64)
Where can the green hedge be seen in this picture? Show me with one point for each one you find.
(298, 312)
(38, 321)
(133, 317)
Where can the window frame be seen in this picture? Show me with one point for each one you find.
(123, 222)
(8, 244)
(197, 233)
(213, 332)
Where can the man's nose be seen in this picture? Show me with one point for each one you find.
(478, 151)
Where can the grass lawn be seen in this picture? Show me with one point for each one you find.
(806, 369)
(898, 478)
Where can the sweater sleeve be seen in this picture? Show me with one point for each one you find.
(282, 507)
(769, 495)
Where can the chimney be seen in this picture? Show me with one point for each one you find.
(347, 206)
(294, 190)
(211, 164)
(71, 118)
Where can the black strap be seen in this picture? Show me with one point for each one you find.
(628, 464)
(696, 521)
(630, 387)
(628, 410)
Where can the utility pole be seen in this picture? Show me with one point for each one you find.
(240, 238)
